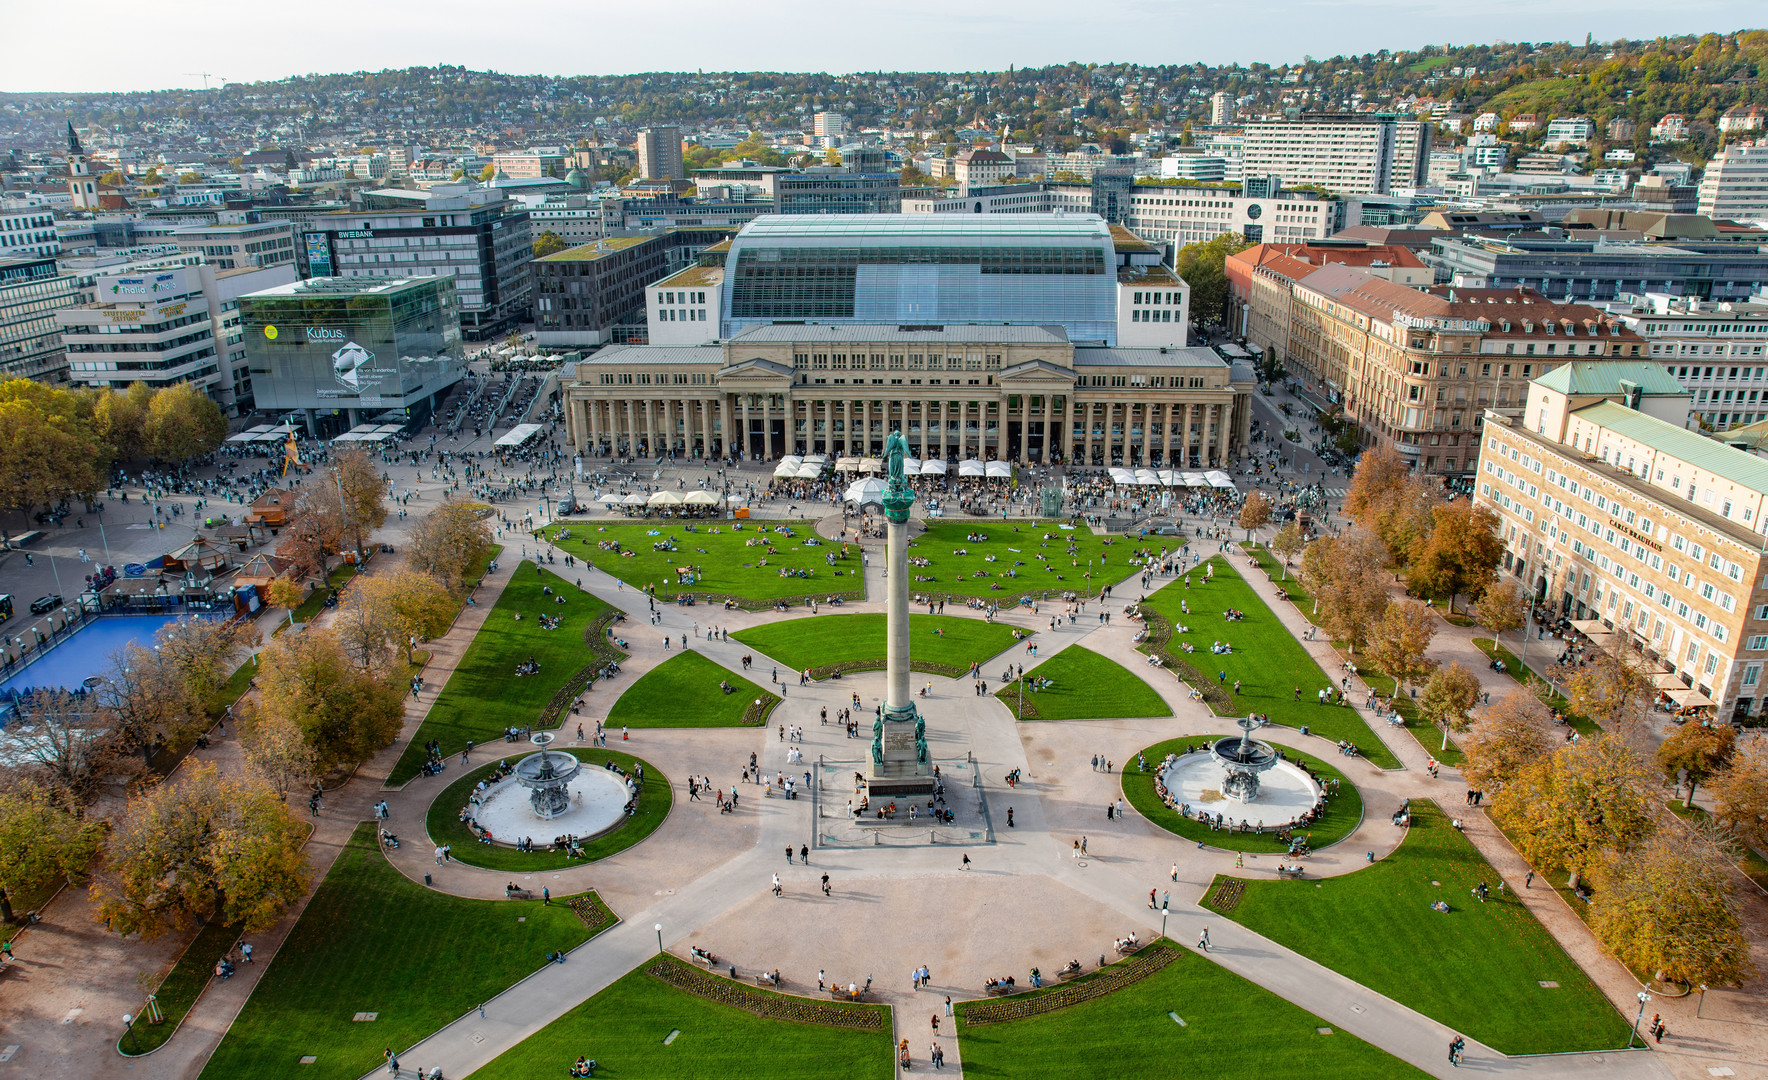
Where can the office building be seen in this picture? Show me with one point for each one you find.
(659, 153)
(1416, 370)
(828, 128)
(1262, 279)
(1595, 270)
(1021, 393)
(163, 325)
(534, 163)
(684, 308)
(981, 167)
(1735, 186)
(31, 292)
(1716, 351)
(343, 351)
(1346, 154)
(28, 231)
(1221, 108)
(479, 235)
(1611, 510)
(231, 245)
(583, 295)
(830, 189)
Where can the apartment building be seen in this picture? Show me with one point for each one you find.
(1612, 510)
(31, 292)
(28, 231)
(1346, 154)
(1735, 185)
(1416, 369)
(1262, 278)
(1716, 351)
(659, 153)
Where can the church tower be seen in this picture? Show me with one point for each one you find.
(81, 186)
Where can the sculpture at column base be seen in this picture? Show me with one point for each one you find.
(901, 765)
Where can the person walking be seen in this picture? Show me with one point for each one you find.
(776, 885)
(825, 884)
(948, 1005)
(1456, 1049)
(1203, 939)
(966, 863)
(545, 896)
(392, 1060)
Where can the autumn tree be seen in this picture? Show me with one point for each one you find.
(361, 493)
(1740, 793)
(1399, 640)
(144, 701)
(1389, 500)
(1449, 698)
(1695, 752)
(43, 839)
(393, 609)
(1591, 800)
(1512, 734)
(1255, 513)
(1347, 575)
(204, 651)
(199, 848)
(122, 415)
(276, 750)
(1611, 687)
(1286, 544)
(315, 529)
(62, 734)
(347, 712)
(51, 447)
(448, 543)
(1503, 607)
(1667, 908)
(182, 422)
(1459, 553)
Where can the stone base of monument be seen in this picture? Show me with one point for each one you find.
(898, 787)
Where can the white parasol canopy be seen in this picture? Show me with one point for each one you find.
(809, 471)
(869, 490)
(933, 467)
(637, 498)
(786, 469)
(870, 464)
(971, 467)
(1219, 479)
(997, 470)
(664, 498)
(701, 498)
(846, 464)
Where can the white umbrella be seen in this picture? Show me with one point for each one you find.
(971, 467)
(737, 500)
(664, 498)
(911, 466)
(869, 490)
(637, 498)
(1122, 476)
(809, 471)
(870, 464)
(1219, 479)
(701, 498)
(817, 459)
(1195, 479)
(1146, 476)
(998, 470)
(786, 469)
(846, 464)
(933, 467)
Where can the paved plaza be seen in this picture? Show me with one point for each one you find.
(996, 892)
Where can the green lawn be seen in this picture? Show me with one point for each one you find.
(1233, 1030)
(372, 941)
(942, 644)
(1515, 668)
(1267, 660)
(1344, 810)
(624, 1027)
(1477, 969)
(1085, 686)
(1292, 587)
(315, 602)
(1427, 735)
(1030, 558)
(484, 695)
(233, 689)
(683, 691)
(445, 827)
(726, 564)
(180, 988)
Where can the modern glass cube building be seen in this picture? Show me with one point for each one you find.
(893, 269)
(346, 350)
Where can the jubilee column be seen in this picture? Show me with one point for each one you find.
(900, 761)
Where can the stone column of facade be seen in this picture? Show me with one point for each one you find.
(1024, 428)
(631, 441)
(743, 439)
(724, 425)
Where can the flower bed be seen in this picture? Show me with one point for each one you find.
(847, 667)
(1155, 956)
(1226, 895)
(686, 977)
(745, 603)
(595, 636)
(756, 715)
(592, 911)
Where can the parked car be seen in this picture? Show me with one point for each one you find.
(42, 605)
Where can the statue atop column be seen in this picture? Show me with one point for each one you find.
(898, 496)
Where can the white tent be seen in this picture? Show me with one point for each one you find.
(664, 498)
(1170, 478)
(971, 467)
(911, 466)
(870, 464)
(869, 490)
(847, 464)
(1195, 479)
(1219, 479)
(1122, 476)
(637, 498)
(700, 498)
(737, 500)
(786, 469)
(809, 471)
(997, 470)
(817, 459)
(1146, 477)
(517, 435)
(933, 467)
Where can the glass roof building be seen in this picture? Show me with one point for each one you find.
(924, 270)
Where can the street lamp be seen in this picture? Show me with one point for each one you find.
(659, 929)
(1164, 912)
(1644, 999)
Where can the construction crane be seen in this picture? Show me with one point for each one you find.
(206, 76)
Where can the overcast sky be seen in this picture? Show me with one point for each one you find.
(113, 45)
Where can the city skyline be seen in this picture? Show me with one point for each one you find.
(970, 37)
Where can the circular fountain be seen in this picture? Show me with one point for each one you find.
(551, 790)
(1241, 778)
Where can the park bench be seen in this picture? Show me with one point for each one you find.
(1128, 947)
(517, 894)
(838, 993)
(1001, 990)
(762, 978)
(701, 956)
(1067, 975)
(1289, 872)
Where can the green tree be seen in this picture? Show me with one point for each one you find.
(488, 173)
(548, 243)
(201, 847)
(1204, 268)
(51, 447)
(43, 838)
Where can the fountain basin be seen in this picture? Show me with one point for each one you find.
(596, 804)
(1198, 779)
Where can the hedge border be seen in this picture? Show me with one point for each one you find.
(773, 1006)
(949, 671)
(1154, 643)
(1154, 956)
(595, 637)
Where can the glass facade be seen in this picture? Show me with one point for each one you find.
(1006, 269)
(353, 343)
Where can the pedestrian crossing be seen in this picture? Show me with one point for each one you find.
(1335, 493)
